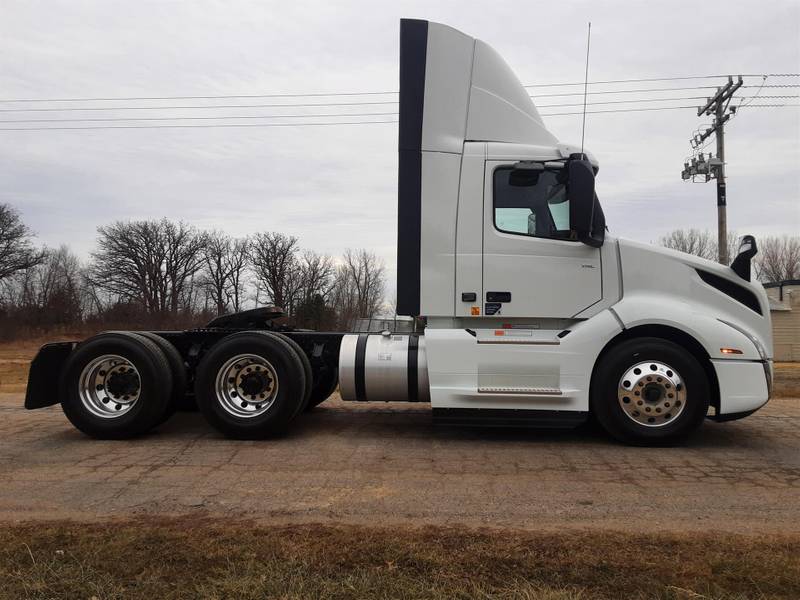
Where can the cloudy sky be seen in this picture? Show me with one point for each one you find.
(334, 186)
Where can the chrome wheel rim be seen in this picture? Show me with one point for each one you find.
(109, 386)
(246, 385)
(652, 394)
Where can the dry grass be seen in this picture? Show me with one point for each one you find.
(171, 559)
(14, 360)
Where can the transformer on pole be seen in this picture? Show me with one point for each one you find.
(714, 166)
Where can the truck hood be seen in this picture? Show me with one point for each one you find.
(701, 286)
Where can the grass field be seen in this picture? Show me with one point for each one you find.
(215, 559)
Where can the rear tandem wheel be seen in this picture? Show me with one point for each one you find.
(250, 385)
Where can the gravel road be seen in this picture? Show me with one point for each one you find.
(381, 464)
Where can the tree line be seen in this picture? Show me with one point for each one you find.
(167, 274)
(778, 257)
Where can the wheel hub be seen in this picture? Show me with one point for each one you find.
(253, 384)
(109, 386)
(652, 393)
(123, 382)
(246, 385)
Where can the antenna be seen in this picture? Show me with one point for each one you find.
(585, 87)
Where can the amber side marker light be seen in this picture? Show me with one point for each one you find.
(730, 351)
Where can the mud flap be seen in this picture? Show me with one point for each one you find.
(45, 374)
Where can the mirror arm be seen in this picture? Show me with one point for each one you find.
(591, 241)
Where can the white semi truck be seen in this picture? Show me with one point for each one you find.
(527, 312)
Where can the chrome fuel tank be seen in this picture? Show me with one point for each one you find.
(383, 367)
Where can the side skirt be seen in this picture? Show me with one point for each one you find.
(493, 417)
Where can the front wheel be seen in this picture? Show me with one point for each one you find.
(649, 391)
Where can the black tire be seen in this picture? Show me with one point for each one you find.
(324, 386)
(155, 385)
(306, 369)
(291, 385)
(177, 368)
(607, 406)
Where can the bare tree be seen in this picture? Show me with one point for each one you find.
(150, 263)
(316, 279)
(225, 260)
(238, 265)
(274, 259)
(778, 258)
(16, 251)
(691, 241)
(699, 243)
(46, 294)
(215, 269)
(360, 284)
(184, 245)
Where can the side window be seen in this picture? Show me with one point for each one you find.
(531, 203)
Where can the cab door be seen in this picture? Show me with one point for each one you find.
(531, 267)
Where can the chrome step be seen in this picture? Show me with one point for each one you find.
(528, 391)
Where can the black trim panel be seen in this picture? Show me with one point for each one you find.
(360, 373)
(413, 361)
(496, 417)
(413, 57)
(733, 290)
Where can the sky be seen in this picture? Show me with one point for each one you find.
(334, 187)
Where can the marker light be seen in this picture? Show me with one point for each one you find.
(730, 351)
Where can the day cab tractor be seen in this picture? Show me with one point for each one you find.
(527, 312)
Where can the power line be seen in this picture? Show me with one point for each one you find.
(94, 120)
(622, 110)
(326, 104)
(774, 85)
(192, 126)
(766, 106)
(674, 89)
(371, 93)
(190, 107)
(324, 115)
(206, 126)
(214, 97)
(617, 110)
(653, 79)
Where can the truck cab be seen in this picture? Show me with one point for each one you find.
(533, 314)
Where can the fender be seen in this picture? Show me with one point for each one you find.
(710, 331)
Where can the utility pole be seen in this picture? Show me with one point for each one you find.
(722, 204)
(714, 168)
